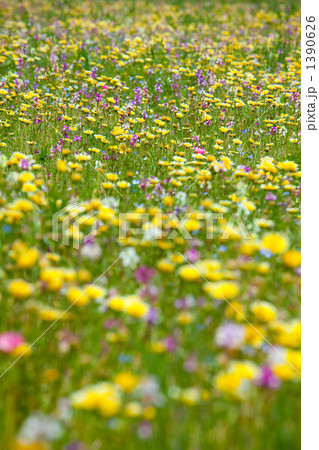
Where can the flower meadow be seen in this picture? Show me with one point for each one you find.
(149, 225)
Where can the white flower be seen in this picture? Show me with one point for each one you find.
(38, 427)
(110, 202)
(91, 251)
(12, 177)
(130, 258)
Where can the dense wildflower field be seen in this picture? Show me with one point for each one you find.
(149, 225)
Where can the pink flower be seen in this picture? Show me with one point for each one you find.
(10, 340)
(192, 255)
(200, 150)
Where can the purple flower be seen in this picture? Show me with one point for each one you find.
(270, 197)
(24, 163)
(170, 344)
(138, 96)
(190, 364)
(200, 78)
(267, 379)
(98, 97)
(230, 336)
(145, 430)
(152, 316)
(158, 88)
(144, 274)
(134, 140)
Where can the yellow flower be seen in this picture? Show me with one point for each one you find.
(135, 307)
(123, 184)
(78, 296)
(131, 304)
(27, 258)
(249, 205)
(254, 336)
(122, 148)
(228, 383)
(158, 347)
(249, 248)
(292, 258)
(20, 289)
(51, 374)
(127, 380)
(29, 187)
(110, 405)
(102, 396)
(111, 176)
(263, 268)
(222, 290)
(95, 291)
(289, 334)
(22, 205)
(76, 177)
(275, 242)
(149, 413)
(168, 201)
(117, 303)
(223, 129)
(288, 165)
(235, 310)
(206, 203)
(25, 177)
(189, 273)
(166, 266)
(52, 277)
(176, 258)
(22, 349)
(192, 225)
(21, 444)
(84, 275)
(191, 396)
(61, 166)
(267, 164)
(294, 357)
(231, 381)
(107, 185)
(245, 369)
(133, 409)
(285, 372)
(83, 157)
(49, 314)
(185, 317)
(264, 311)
